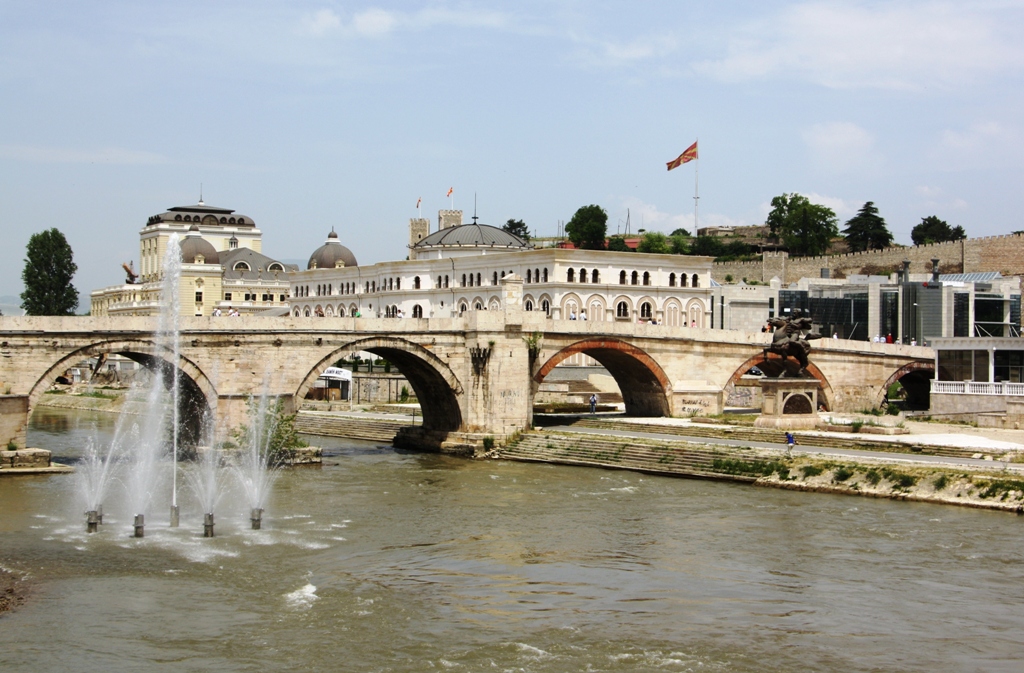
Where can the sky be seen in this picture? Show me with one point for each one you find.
(308, 116)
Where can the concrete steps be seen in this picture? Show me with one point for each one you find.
(333, 425)
(748, 434)
(654, 457)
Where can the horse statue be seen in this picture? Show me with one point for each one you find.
(791, 338)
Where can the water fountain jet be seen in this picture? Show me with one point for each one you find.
(92, 521)
(256, 517)
(140, 525)
(208, 524)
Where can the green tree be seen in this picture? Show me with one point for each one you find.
(934, 230)
(680, 232)
(618, 243)
(49, 268)
(588, 228)
(805, 228)
(679, 244)
(653, 241)
(708, 246)
(517, 228)
(866, 230)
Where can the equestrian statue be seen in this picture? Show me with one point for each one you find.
(791, 338)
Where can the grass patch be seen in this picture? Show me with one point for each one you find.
(873, 476)
(1001, 488)
(941, 482)
(98, 394)
(841, 474)
(54, 391)
(752, 468)
(811, 470)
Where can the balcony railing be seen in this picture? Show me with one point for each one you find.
(977, 388)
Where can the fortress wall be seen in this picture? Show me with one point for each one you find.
(993, 253)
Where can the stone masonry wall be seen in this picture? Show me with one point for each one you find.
(993, 253)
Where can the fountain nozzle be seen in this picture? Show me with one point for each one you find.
(256, 517)
(92, 521)
(208, 525)
(174, 516)
(140, 525)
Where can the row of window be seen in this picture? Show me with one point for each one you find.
(476, 280)
(198, 218)
(248, 296)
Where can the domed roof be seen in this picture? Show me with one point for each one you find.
(473, 235)
(194, 244)
(330, 253)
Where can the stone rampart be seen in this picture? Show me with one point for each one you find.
(993, 253)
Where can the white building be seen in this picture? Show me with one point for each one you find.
(459, 268)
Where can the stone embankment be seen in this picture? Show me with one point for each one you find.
(29, 461)
(988, 488)
(750, 434)
(352, 427)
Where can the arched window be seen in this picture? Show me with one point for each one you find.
(374, 286)
(529, 275)
(545, 306)
(647, 277)
(671, 280)
(463, 280)
(622, 310)
(341, 311)
(570, 275)
(398, 283)
(595, 277)
(416, 283)
(417, 311)
(367, 286)
(536, 276)
(296, 311)
(529, 305)
(275, 267)
(696, 280)
(391, 284)
(545, 275)
(478, 306)
(241, 266)
(596, 311)
(446, 281)
(683, 280)
(645, 310)
(622, 277)
(583, 275)
(330, 288)
(462, 308)
(494, 278)
(478, 279)
(307, 312)
(439, 281)
(635, 278)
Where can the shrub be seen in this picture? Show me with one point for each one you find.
(404, 397)
(940, 482)
(842, 474)
(892, 410)
(12, 445)
(873, 476)
(728, 278)
(856, 426)
(811, 470)
(488, 443)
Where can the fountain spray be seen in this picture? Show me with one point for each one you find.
(170, 317)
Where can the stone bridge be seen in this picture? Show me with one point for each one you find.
(474, 375)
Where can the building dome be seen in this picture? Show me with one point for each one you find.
(194, 245)
(331, 254)
(473, 235)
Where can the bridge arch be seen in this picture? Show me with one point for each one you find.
(198, 395)
(642, 382)
(915, 378)
(436, 386)
(774, 364)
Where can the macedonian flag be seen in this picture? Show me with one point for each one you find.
(689, 155)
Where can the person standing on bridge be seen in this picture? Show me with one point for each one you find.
(593, 404)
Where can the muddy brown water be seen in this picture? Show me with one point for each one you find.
(390, 561)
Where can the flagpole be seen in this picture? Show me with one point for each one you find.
(696, 195)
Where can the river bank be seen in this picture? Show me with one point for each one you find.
(14, 591)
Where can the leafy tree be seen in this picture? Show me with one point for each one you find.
(934, 230)
(679, 244)
(805, 228)
(680, 232)
(709, 246)
(273, 430)
(655, 242)
(49, 268)
(517, 228)
(866, 230)
(588, 228)
(618, 243)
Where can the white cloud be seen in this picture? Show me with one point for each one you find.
(600, 53)
(320, 23)
(896, 45)
(841, 208)
(61, 155)
(376, 22)
(840, 146)
(648, 216)
(979, 136)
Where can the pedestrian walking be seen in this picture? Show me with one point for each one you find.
(593, 404)
(790, 441)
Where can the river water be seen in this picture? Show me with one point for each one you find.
(389, 561)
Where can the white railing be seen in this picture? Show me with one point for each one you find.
(977, 388)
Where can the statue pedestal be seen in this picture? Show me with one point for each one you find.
(788, 404)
